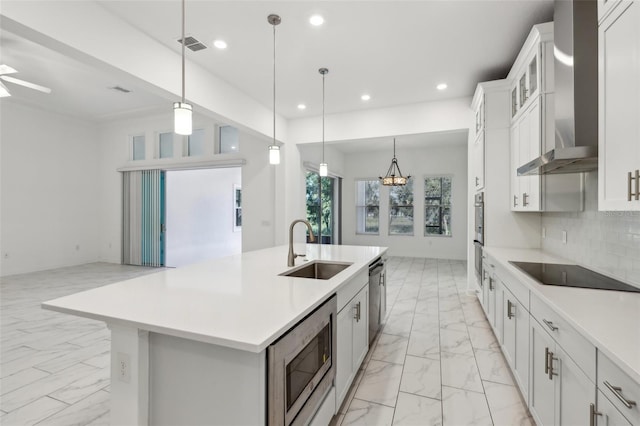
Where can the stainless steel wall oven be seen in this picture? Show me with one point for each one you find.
(301, 367)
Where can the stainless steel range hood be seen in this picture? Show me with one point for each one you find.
(576, 92)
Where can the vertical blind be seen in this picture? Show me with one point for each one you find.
(143, 199)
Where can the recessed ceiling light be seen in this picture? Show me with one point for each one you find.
(441, 86)
(220, 44)
(365, 97)
(316, 20)
(302, 106)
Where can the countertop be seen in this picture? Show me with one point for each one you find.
(609, 319)
(239, 301)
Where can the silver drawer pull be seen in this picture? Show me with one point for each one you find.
(637, 184)
(550, 325)
(515, 201)
(617, 391)
(510, 307)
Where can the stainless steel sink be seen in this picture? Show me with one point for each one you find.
(317, 270)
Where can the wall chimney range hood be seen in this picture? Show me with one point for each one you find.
(575, 54)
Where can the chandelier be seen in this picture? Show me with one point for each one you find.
(394, 175)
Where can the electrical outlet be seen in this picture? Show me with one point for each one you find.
(544, 232)
(564, 237)
(124, 367)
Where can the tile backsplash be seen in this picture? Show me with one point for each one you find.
(607, 242)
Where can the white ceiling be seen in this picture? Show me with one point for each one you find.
(397, 51)
(76, 89)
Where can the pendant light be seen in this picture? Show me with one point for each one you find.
(274, 150)
(324, 169)
(391, 178)
(182, 121)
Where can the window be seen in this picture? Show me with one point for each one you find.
(229, 141)
(166, 145)
(137, 147)
(367, 207)
(401, 209)
(195, 143)
(437, 205)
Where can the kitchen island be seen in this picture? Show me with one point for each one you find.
(189, 344)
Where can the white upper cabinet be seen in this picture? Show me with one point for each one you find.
(532, 72)
(619, 106)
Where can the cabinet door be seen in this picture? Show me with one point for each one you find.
(360, 327)
(524, 142)
(619, 106)
(478, 162)
(533, 75)
(509, 328)
(576, 392)
(521, 369)
(514, 144)
(491, 301)
(344, 353)
(534, 123)
(608, 415)
(542, 389)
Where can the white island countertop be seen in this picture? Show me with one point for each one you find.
(609, 319)
(238, 302)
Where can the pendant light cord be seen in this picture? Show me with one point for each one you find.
(323, 75)
(274, 84)
(183, 42)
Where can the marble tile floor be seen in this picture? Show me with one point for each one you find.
(54, 368)
(436, 361)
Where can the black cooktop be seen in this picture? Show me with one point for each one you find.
(571, 276)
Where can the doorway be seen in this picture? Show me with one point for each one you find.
(323, 195)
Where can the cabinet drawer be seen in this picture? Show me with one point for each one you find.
(629, 390)
(519, 290)
(352, 287)
(572, 342)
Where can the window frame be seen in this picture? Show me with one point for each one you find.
(364, 205)
(412, 206)
(440, 205)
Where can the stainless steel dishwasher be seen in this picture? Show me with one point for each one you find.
(377, 296)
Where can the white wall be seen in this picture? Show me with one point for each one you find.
(50, 213)
(425, 117)
(419, 163)
(258, 194)
(200, 215)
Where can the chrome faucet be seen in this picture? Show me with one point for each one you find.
(292, 256)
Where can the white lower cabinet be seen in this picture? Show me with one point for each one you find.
(559, 393)
(352, 341)
(515, 338)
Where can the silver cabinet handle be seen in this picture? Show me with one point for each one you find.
(617, 391)
(510, 306)
(356, 312)
(546, 360)
(490, 283)
(629, 191)
(592, 414)
(550, 359)
(550, 325)
(637, 184)
(525, 196)
(515, 201)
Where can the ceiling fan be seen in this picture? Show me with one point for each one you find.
(6, 69)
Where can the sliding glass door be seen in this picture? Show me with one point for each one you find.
(323, 207)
